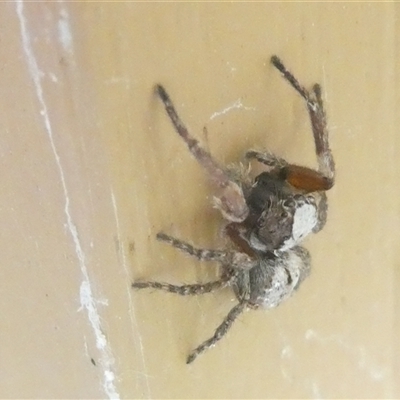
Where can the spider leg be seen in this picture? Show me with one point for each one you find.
(276, 61)
(322, 213)
(302, 177)
(232, 230)
(200, 254)
(230, 200)
(220, 332)
(235, 259)
(321, 136)
(266, 158)
(186, 290)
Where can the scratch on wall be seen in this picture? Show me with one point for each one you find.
(131, 310)
(86, 294)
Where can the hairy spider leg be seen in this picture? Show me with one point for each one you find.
(266, 158)
(231, 200)
(233, 231)
(187, 290)
(305, 178)
(220, 332)
(321, 137)
(276, 61)
(235, 259)
(200, 254)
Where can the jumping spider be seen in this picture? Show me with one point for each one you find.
(267, 218)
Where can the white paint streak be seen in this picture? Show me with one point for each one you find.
(132, 314)
(316, 392)
(286, 363)
(116, 80)
(53, 77)
(287, 352)
(236, 105)
(86, 294)
(64, 31)
(231, 67)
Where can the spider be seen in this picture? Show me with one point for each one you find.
(267, 217)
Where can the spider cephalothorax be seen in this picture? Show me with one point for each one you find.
(267, 217)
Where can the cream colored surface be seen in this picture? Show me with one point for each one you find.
(92, 170)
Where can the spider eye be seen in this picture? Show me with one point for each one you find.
(261, 222)
(288, 203)
(310, 200)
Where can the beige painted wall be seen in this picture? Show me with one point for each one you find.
(92, 170)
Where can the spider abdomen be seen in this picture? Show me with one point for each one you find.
(274, 280)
